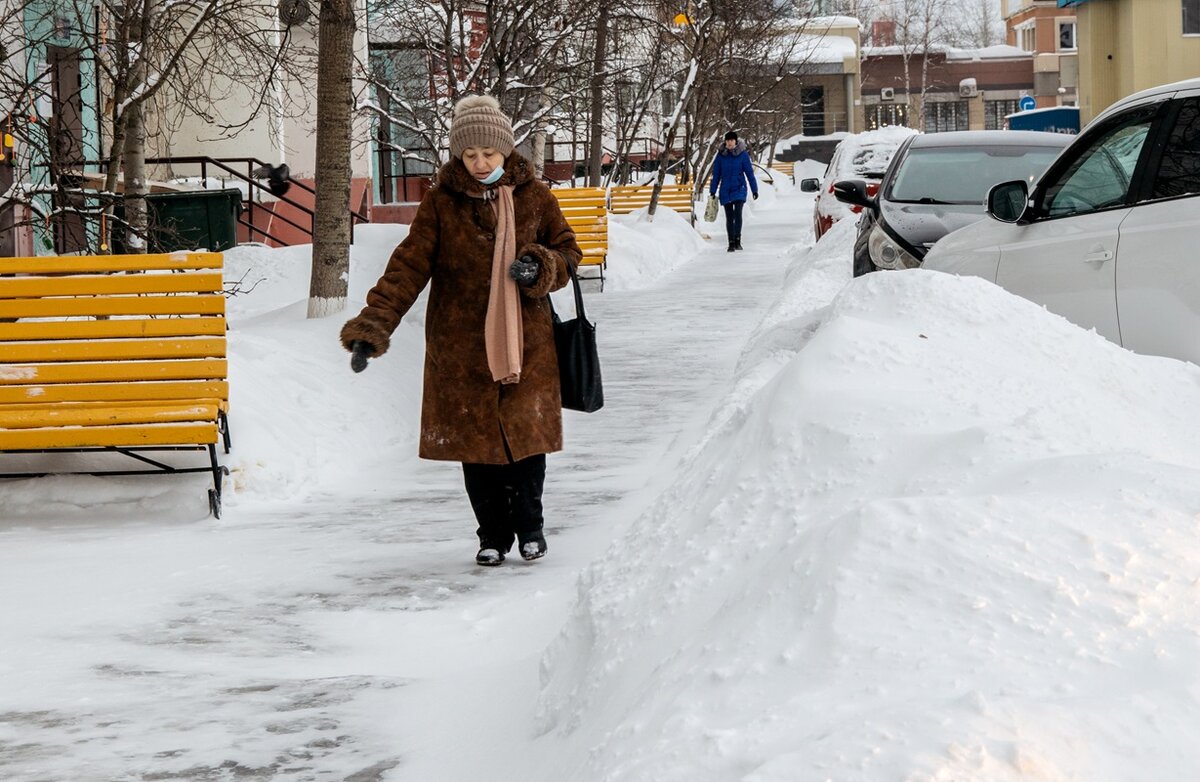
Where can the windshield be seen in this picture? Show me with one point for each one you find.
(963, 175)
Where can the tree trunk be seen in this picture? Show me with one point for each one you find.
(537, 142)
(597, 90)
(134, 152)
(331, 221)
(134, 199)
(669, 131)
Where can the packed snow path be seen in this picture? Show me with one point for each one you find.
(325, 639)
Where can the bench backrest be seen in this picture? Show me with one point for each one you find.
(628, 198)
(112, 329)
(587, 215)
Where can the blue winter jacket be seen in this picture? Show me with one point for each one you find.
(731, 171)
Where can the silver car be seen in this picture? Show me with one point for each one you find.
(1109, 237)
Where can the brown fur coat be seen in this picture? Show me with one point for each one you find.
(465, 415)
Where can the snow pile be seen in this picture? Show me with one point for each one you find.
(933, 532)
(641, 252)
(299, 417)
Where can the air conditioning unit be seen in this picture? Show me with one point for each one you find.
(967, 88)
(887, 93)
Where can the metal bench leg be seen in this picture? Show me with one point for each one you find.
(214, 494)
(223, 426)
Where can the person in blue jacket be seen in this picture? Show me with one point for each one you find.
(731, 172)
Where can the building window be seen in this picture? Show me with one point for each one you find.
(946, 115)
(995, 111)
(1066, 36)
(887, 114)
(1191, 17)
(1026, 36)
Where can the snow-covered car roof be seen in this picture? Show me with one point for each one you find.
(869, 152)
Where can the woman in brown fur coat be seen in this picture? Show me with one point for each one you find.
(491, 242)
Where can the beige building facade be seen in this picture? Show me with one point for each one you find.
(1126, 46)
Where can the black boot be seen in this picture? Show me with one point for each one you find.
(533, 547)
(732, 246)
(489, 557)
(737, 243)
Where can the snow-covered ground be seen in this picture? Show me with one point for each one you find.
(906, 527)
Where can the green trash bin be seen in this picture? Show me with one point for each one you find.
(190, 220)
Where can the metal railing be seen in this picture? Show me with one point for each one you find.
(254, 186)
(400, 177)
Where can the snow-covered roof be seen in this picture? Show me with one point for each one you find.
(1001, 52)
(824, 49)
(832, 21)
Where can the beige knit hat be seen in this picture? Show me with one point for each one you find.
(478, 122)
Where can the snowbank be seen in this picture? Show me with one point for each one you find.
(641, 252)
(934, 532)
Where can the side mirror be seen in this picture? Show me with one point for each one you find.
(853, 192)
(1006, 202)
(810, 185)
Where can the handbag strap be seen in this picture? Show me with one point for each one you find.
(579, 312)
(578, 293)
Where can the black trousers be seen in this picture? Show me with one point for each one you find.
(507, 500)
(733, 220)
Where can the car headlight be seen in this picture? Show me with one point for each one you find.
(886, 253)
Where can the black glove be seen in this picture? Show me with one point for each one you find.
(525, 271)
(360, 351)
(756, 196)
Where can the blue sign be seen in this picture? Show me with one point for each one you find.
(1056, 119)
(1026, 103)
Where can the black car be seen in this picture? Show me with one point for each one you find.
(937, 183)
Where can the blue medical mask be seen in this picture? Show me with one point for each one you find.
(494, 177)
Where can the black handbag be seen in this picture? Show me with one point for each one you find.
(578, 361)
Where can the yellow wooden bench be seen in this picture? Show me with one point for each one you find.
(624, 199)
(115, 353)
(787, 169)
(586, 213)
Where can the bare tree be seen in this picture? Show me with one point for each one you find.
(732, 59)
(973, 24)
(522, 52)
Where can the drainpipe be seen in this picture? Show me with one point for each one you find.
(850, 102)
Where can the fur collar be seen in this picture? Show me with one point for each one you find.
(455, 177)
(738, 148)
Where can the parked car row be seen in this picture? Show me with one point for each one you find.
(1096, 227)
(936, 184)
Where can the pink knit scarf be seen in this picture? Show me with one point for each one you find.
(502, 331)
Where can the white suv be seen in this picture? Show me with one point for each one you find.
(1110, 235)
